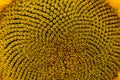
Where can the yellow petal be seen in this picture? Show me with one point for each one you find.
(1, 7)
(119, 75)
(3, 2)
(116, 78)
(114, 3)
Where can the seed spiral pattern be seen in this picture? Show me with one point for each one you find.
(59, 40)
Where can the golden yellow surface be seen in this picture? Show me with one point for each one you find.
(115, 4)
(119, 75)
(3, 3)
(118, 78)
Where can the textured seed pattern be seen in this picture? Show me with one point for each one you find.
(59, 40)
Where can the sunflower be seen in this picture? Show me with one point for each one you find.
(113, 3)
